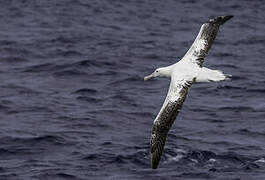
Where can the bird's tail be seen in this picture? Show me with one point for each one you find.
(217, 75)
(228, 76)
(220, 19)
(209, 75)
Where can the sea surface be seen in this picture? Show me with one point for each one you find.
(73, 103)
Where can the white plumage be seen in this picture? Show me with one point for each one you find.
(183, 74)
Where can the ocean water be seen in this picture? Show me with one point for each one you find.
(73, 103)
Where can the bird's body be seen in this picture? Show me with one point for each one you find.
(190, 71)
(183, 74)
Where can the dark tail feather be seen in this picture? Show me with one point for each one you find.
(228, 76)
(220, 19)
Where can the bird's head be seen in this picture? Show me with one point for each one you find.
(159, 72)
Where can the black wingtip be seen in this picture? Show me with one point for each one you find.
(154, 166)
(155, 160)
(220, 19)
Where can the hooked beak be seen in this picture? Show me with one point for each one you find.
(149, 77)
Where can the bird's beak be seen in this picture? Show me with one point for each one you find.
(149, 77)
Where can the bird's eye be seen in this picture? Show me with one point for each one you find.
(156, 70)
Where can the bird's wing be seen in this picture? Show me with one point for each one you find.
(175, 98)
(204, 40)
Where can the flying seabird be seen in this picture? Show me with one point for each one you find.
(183, 74)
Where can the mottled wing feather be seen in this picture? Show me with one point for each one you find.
(204, 40)
(179, 88)
(167, 115)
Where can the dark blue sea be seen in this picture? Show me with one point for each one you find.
(73, 103)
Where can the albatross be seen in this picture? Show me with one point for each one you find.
(183, 74)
